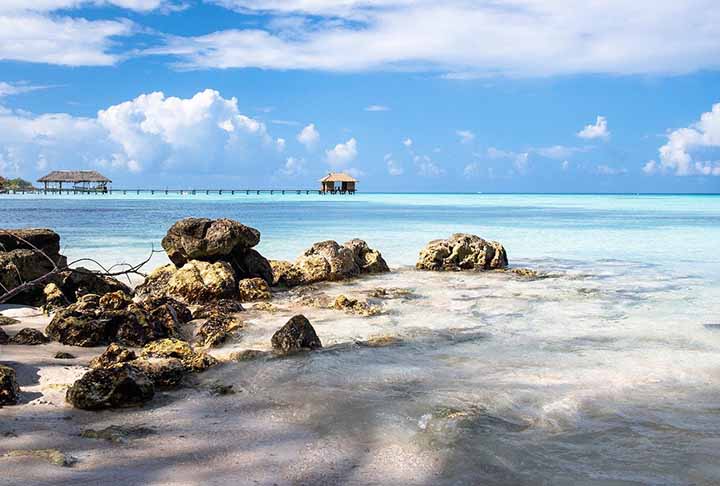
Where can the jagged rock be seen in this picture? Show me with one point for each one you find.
(54, 298)
(155, 284)
(113, 355)
(462, 252)
(4, 338)
(95, 321)
(251, 264)
(266, 306)
(207, 240)
(297, 335)
(8, 321)
(166, 312)
(42, 239)
(253, 289)
(165, 373)
(20, 266)
(198, 282)
(527, 273)
(285, 273)
(355, 306)
(390, 293)
(116, 387)
(220, 307)
(64, 355)
(9, 389)
(217, 329)
(369, 260)
(175, 348)
(81, 281)
(201, 361)
(29, 336)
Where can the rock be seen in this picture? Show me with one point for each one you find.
(20, 266)
(29, 336)
(165, 373)
(297, 335)
(253, 289)
(355, 306)
(175, 348)
(380, 342)
(9, 389)
(220, 307)
(369, 260)
(116, 387)
(82, 281)
(4, 338)
(217, 329)
(64, 355)
(166, 312)
(113, 355)
(207, 240)
(201, 361)
(95, 321)
(118, 434)
(53, 456)
(525, 273)
(8, 321)
(252, 264)
(247, 355)
(155, 284)
(285, 274)
(34, 238)
(327, 260)
(462, 252)
(198, 282)
(390, 293)
(266, 307)
(54, 298)
(218, 388)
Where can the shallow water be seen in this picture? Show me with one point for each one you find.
(608, 372)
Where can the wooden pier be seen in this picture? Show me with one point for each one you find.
(181, 192)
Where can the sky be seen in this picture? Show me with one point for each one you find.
(407, 95)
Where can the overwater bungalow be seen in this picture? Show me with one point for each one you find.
(75, 180)
(338, 182)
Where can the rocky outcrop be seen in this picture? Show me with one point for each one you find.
(9, 389)
(297, 335)
(329, 261)
(197, 282)
(95, 321)
(115, 387)
(253, 289)
(29, 337)
(462, 252)
(30, 239)
(208, 240)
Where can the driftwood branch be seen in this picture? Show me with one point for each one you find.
(127, 270)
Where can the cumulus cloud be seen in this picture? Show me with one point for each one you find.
(558, 152)
(427, 168)
(519, 160)
(342, 154)
(204, 133)
(686, 147)
(472, 169)
(393, 167)
(293, 167)
(597, 130)
(529, 37)
(309, 136)
(466, 136)
(377, 108)
(408, 142)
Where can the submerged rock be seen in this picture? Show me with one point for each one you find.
(297, 335)
(527, 273)
(390, 293)
(119, 434)
(64, 355)
(462, 252)
(53, 456)
(247, 355)
(29, 337)
(115, 387)
(198, 282)
(9, 389)
(8, 321)
(207, 240)
(253, 289)
(355, 306)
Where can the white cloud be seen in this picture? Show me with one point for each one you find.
(342, 154)
(377, 108)
(205, 133)
(681, 153)
(51, 5)
(519, 160)
(466, 136)
(597, 130)
(558, 152)
(473, 169)
(10, 89)
(393, 167)
(408, 142)
(309, 136)
(428, 168)
(528, 37)
(293, 166)
(610, 171)
(565, 165)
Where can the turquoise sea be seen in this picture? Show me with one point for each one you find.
(606, 373)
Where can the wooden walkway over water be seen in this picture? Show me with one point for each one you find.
(181, 192)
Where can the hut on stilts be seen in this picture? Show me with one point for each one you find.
(75, 180)
(338, 182)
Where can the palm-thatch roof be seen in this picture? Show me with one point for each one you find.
(74, 176)
(338, 177)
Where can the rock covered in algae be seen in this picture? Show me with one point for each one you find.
(199, 282)
(113, 355)
(253, 289)
(462, 252)
(9, 389)
(29, 337)
(296, 335)
(119, 386)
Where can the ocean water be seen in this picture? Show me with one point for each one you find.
(607, 372)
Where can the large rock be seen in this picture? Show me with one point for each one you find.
(369, 260)
(462, 252)
(253, 289)
(175, 348)
(30, 239)
(29, 337)
(112, 356)
(207, 240)
(297, 335)
(20, 266)
(251, 264)
(217, 329)
(165, 373)
(155, 284)
(198, 282)
(115, 387)
(285, 274)
(95, 321)
(9, 389)
(81, 281)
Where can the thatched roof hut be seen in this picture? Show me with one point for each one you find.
(84, 180)
(346, 182)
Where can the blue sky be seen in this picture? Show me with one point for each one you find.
(409, 95)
